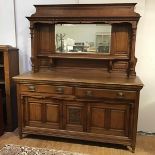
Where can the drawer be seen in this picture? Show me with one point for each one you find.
(104, 93)
(46, 89)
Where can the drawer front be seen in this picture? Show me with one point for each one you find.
(46, 89)
(104, 93)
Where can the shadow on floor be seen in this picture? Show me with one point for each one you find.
(75, 141)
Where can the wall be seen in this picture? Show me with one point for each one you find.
(144, 46)
(145, 52)
(7, 23)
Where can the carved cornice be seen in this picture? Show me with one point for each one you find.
(89, 20)
(78, 13)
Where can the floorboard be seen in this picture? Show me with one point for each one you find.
(145, 144)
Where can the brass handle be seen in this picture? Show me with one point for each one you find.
(60, 90)
(31, 88)
(89, 93)
(120, 94)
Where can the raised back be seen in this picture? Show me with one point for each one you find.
(120, 61)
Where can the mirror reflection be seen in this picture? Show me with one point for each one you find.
(83, 38)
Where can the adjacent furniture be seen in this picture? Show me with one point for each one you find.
(78, 94)
(9, 67)
(1, 115)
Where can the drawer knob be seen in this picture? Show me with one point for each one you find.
(31, 88)
(120, 94)
(60, 90)
(89, 93)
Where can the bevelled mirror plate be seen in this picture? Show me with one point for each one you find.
(83, 38)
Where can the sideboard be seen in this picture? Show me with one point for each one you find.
(81, 89)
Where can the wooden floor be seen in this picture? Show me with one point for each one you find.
(145, 145)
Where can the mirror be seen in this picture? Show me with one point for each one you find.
(83, 38)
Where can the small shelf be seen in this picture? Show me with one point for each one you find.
(85, 56)
(2, 82)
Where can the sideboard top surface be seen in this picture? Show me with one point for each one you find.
(79, 77)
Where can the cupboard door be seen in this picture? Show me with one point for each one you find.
(74, 116)
(53, 113)
(41, 112)
(110, 118)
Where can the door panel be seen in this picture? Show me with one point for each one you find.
(109, 118)
(74, 116)
(40, 112)
(98, 117)
(35, 112)
(117, 121)
(53, 113)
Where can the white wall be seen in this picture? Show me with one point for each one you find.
(145, 52)
(144, 45)
(7, 23)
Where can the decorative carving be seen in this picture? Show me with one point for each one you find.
(32, 30)
(110, 65)
(133, 60)
(74, 116)
(35, 67)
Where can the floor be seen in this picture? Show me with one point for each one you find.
(145, 144)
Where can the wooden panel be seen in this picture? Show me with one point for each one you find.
(117, 119)
(120, 65)
(41, 112)
(86, 10)
(82, 63)
(1, 115)
(44, 62)
(35, 112)
(46, 38)
(74, 114)
(9, 67)
(52, 113)
(97, 117)
(109, 118)
(120, 39)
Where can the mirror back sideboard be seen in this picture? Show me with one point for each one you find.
(80, 94)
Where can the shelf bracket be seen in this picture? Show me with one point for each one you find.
(110, 66)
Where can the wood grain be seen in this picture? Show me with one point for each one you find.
(9, 59)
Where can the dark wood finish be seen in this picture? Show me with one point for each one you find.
(9, 62)
(124, 23)
(82, 96)
(1, 115)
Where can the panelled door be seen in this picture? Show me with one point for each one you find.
(110, 118)
(95, 117)
(74, 116)
(42, 112)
